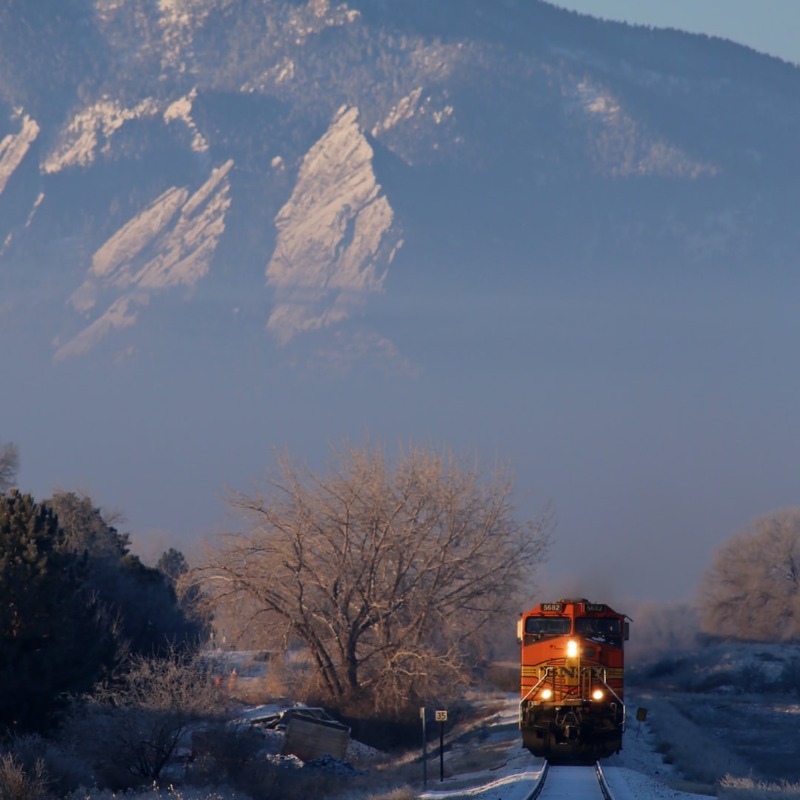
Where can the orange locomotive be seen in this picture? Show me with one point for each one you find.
(571, 706)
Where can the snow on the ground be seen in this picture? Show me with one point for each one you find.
(636, 773)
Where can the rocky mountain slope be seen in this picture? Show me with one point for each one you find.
(313, 153)
(230, 225)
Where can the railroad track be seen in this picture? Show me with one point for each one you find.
(572, 783)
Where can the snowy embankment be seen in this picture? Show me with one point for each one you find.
(637, 772)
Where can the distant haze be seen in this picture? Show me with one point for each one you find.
(565, 245)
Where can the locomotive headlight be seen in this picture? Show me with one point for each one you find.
(597, 694)
(572, 648)
(546, 694)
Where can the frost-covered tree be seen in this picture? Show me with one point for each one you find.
(132, 728)
(87, 529)
(752, 590)
(9, 464)
(387, 573)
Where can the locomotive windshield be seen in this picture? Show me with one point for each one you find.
(600, 629)
(547, 626)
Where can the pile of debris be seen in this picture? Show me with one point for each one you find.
(308, 733)
(305, 737)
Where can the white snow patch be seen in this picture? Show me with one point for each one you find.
(83, 135)
(410, 106)
(318, 15)
(179, 19)
(405, 108)
(14, 147)
(31, 214)
(36, 203)
(620, 144)
(281, 73)
(181, 110)
(440, 116)
(594, 101)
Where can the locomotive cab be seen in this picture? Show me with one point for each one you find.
(571, 698)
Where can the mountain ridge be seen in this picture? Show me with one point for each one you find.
(601, 122)
(232, 226)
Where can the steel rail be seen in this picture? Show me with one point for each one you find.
(548, 772)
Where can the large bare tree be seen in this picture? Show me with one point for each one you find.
(387, 573)
(752, 590)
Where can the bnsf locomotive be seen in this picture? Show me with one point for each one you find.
(571, 706)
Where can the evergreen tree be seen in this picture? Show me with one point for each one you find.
(173, 564)
(53, 640)
(191, 599)
(142, 600)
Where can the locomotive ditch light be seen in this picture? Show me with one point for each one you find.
(546, 694)
(597, 694)
(572, 648)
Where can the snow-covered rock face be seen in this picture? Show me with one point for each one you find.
(169, 244)
(349, 120)
(14, 147)
(335, 234)
(91, 130)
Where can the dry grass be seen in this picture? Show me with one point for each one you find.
(17, 784)
(399, 793)
(733, 788)
(692, 748)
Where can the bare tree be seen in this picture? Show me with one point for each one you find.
(387, 574)
(752, 590)
(9, 464)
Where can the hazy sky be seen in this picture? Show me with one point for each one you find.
(739, 451)
(656, 414)
(769, 26)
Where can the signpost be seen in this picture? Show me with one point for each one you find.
(641, 716)
(424, 749)
(441, 718)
